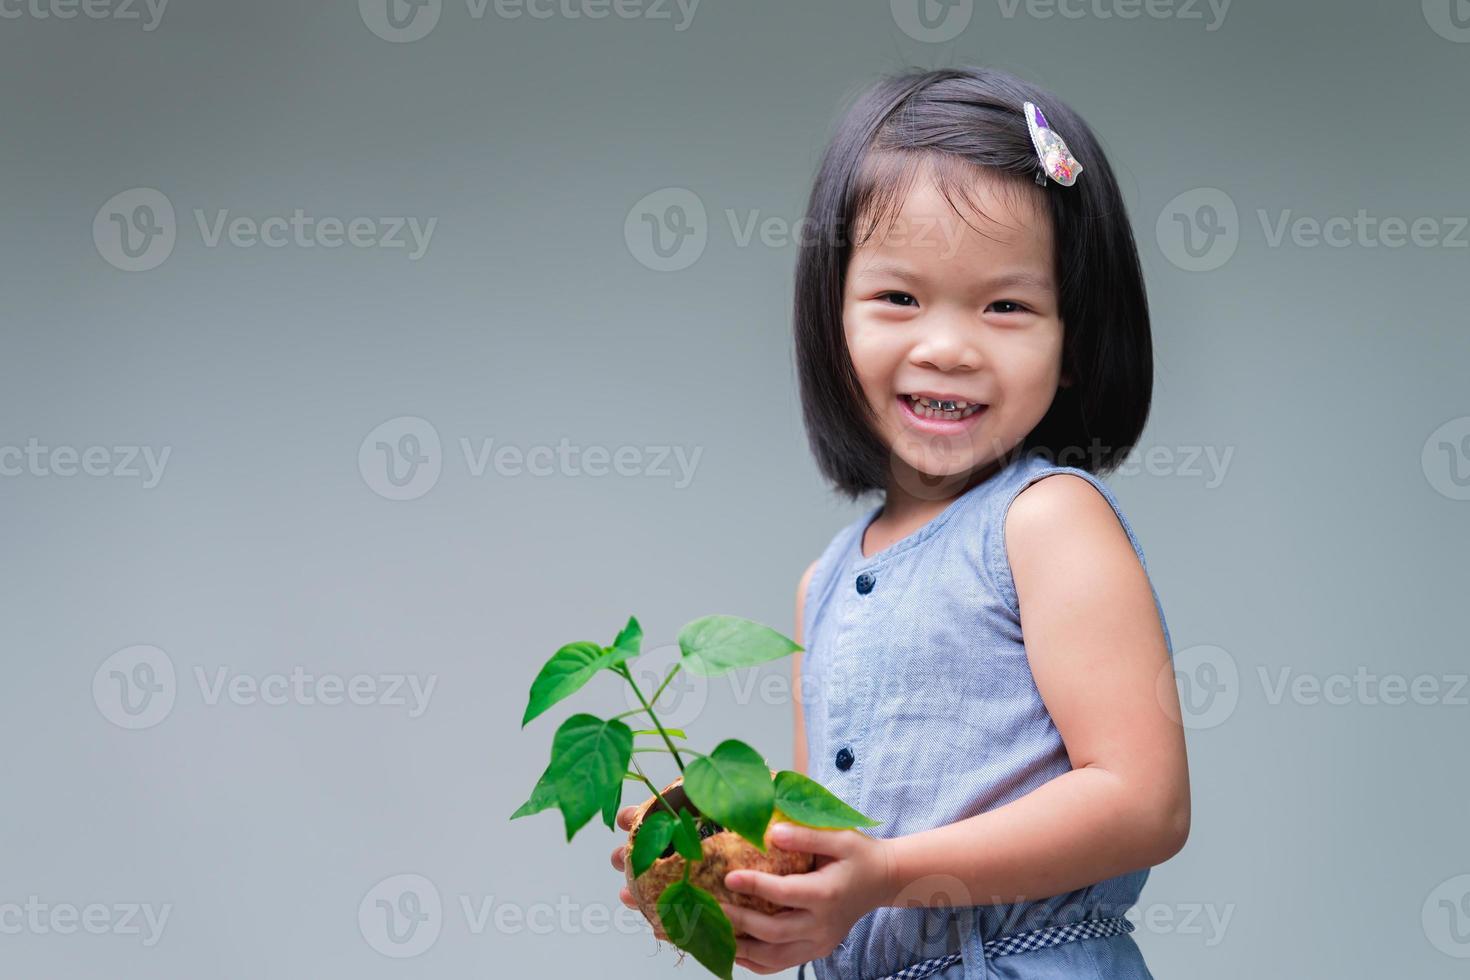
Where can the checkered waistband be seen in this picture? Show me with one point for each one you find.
(1020, 942)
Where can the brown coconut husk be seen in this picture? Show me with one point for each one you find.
(724, 851)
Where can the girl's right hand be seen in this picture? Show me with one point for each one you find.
(619, 861)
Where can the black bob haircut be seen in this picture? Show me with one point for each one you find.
(953, 120)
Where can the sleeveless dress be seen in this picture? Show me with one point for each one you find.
(921, 710)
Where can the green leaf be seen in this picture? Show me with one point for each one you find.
(715, 644)
(808, 802)
(610, 804)
(653, 836)
(686, 837)
(567, 670)
(589, 757)
(732, 786)
(674, 732)
(694, 922)
(543, 797)
(630, 637)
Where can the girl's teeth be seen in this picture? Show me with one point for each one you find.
(934, 408)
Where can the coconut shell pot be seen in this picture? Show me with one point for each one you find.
(724, 851)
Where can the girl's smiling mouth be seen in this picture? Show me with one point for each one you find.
(944, 414)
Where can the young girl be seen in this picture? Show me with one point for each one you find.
(987, 669)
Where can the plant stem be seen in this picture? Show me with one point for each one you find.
(654, 788)
(635, 711)
(672, 671)
(655, 748)
(628, 676)
(676, 732)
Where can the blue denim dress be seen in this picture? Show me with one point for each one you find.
(921, 710)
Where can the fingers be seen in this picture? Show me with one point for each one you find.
(625, 816)
(759, 957)
(783, 927)
(813, 840)
(798, 891)
(754, 967)
(619, 856)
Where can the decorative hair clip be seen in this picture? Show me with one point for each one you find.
(1056, 160)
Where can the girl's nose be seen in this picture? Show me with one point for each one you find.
(946, 346)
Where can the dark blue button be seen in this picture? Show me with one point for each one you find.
(844, 758)
(865, 583)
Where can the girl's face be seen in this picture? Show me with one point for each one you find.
(935, 308)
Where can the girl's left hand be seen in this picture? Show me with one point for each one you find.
(853, 875)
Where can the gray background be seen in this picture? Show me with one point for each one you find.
(1331, 835)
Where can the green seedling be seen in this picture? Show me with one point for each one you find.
(731, 786)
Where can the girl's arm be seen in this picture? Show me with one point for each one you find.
(1097, 651)
(798, 754)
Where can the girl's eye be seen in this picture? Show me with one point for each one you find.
(906, 296)
(1014, 306)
